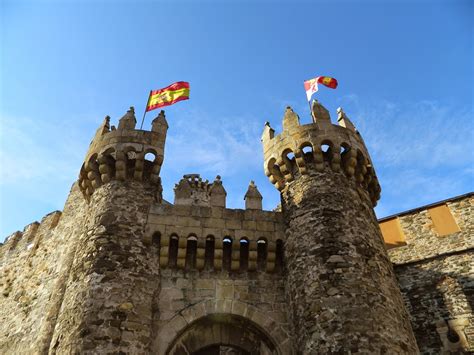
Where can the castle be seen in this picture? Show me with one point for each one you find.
(122, 271)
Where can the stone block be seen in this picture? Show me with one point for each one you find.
(188, 221)
(170, 294)
(213, 223)
(249, 224)
(223, 306)
(239, 308)
(217, 212)
(224, 292)
(180, 210)
(233, 224)
(216, 232)
(205, 284)
(265, 226)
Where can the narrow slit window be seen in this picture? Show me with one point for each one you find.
(209, 252)
(173, 251)
(261, 254)
(227, 253)
(191, 250)
(244, 254)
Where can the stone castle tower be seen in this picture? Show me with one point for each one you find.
(340, 287)
(122, 271)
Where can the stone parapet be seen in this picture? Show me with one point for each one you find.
(124, 153)
(26, 239)
(196, 237)
(319, 145)
(426, 235)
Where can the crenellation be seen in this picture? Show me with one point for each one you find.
(128, 121)
(171, 223)
(191, 190)
(344, 121)
(13, 239)
(300, 147)
(108, 156)
(29, 234)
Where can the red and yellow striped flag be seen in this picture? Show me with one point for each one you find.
(168, 96)
(311, 85)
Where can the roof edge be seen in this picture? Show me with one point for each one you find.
(417, 209)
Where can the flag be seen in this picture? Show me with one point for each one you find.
(311, 85)
(168, 96)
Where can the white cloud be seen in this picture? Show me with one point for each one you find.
(227, 145)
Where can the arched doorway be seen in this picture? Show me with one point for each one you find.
(222, 334)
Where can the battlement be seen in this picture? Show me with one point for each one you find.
(216, 238)
(124, 153)
(193, 191)
(26, 240)
(319, 145)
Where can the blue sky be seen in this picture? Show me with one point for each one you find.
(405, 72)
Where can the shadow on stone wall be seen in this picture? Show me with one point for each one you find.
(439, 294)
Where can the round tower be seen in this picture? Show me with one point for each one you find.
(341, 289)
(108, 304)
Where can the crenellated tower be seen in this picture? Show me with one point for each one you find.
(340, 287)
(111, 289)
(124, 153)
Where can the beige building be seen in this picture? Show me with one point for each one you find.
(121, 271)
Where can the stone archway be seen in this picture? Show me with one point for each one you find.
(222, 333)
(223, 317)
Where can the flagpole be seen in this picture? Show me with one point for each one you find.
(144, 113)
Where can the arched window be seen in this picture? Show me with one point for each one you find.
(307, 150)
(327, 148)
(209, 252)
(289, 159)
(244, 254)
(149, 160)
(227, 253)
(261, 253)
(131, 159)
(150, 157)
(191, 250)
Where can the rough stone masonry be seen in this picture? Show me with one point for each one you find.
(122, 271)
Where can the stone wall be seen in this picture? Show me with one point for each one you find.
(108, 303)
(422, 239)
(218, 262)
(203, 275)
(226, 228)
(436, 275)
(187, 297)
(34, 268)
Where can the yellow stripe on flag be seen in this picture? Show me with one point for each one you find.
(167, 96)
